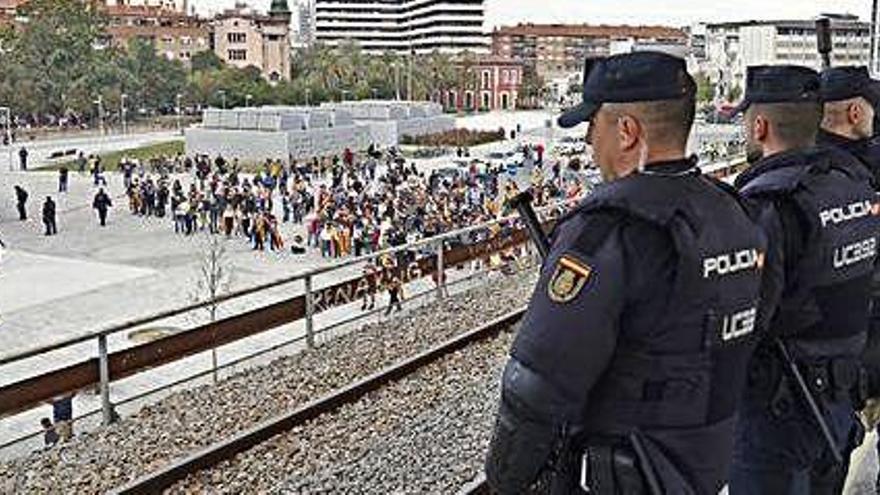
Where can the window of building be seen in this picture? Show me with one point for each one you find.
(237, 54)
(505, 76)
(513, 76)
(185, 40)
(486, 78)
(236, 37)
(168, 40)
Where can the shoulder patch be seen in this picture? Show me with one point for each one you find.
(569, 278)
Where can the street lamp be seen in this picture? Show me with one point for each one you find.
(374, 91)
(345, 92)
(122, 111)
(7, 120)
(409, 75)
(222, 94)
(396, 82)
(100, 103)
(247, 99)
(179, 96)
(308, 93)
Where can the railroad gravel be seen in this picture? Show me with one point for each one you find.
(191, 419)
(427, 433)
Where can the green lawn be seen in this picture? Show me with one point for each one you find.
(110, 160)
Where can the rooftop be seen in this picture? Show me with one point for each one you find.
(588, 30)
(836, 20)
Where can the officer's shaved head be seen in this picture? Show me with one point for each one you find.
(789, 125)
(852, 118)
(625, 136)
(666, 122)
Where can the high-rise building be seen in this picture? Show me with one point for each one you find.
(422, 26)
(731, 47)
(305, 35)
(244, 38)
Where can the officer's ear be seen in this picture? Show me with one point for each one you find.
(760, 128)
(629, 129)
(855, 113)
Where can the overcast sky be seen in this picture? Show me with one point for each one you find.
(670, 12)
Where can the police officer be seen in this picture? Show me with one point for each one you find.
(815, 205)
(624, 376)
(849, 97)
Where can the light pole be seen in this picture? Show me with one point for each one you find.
(396, 82)
(374, 91)
(308, 93)
(222, 94)
(179, 96)
(345, 92)
(122, 111)
(100, 103)
(247, 99)
(409, 75)
(7, 120)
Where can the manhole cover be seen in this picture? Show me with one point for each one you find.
(144, 335)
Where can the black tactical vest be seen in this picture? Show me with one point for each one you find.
(828, 195)
(679, 381)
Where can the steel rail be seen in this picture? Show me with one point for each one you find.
(179, 470)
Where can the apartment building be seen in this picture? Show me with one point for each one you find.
(403, 26)
(559, 50)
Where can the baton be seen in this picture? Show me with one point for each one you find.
(523, 204)
(807, 397)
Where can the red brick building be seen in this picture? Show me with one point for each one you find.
(558, 50)
(486, 84)
(175, 35)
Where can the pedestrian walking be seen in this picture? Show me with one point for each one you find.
(395, 295)
(50, 436)
(81, 163)
(49, 216)
(23, 157)
(21, 197)
(102, 203)
(62, 179)
(62, 414)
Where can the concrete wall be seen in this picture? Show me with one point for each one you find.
(247, 146)
(257, 134)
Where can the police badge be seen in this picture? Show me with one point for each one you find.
(568, 280)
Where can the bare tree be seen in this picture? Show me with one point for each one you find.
(214, 277)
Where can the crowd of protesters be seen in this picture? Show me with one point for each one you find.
(348, 205)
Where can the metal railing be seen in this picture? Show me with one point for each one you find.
(105, 363)
(439, 292)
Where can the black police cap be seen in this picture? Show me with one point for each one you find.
(779, 84)
(843, 83)
(630, 77)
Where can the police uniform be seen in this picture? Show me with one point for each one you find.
(843, 83)
(624, 375)
(816, 206)
(838, 84)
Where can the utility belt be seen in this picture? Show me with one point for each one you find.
(829, 380)
(615, 467)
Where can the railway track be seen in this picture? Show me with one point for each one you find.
(205, 466)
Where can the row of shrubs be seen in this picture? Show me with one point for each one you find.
(455, 137)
